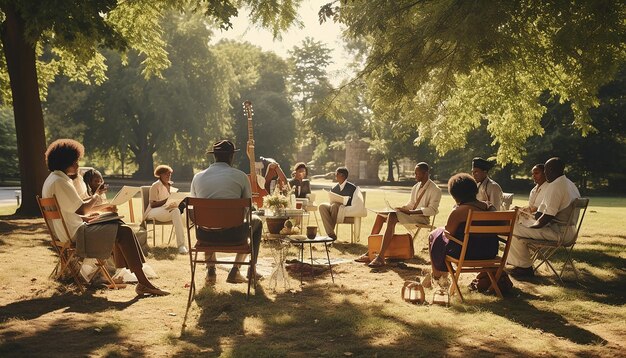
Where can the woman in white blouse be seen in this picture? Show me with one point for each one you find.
(159, 193)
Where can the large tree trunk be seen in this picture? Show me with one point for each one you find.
(390, 177)
(29, 127)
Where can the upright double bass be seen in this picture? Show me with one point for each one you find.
(257, 182)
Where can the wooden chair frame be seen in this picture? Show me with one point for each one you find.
(66, 250)
(354, 222)
(544, 249)
(500, 223)
(218, 214)
(418, 227)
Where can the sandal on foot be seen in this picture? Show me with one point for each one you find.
(365, 258)
(378, 261)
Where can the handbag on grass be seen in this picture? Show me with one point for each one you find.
(400, 247)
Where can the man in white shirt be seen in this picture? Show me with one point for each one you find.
(551, 217)
(488, 190)
(423, 203)
(221, 181)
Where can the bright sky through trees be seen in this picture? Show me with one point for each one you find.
(329, 33)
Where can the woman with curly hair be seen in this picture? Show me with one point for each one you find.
(96, 240)
(159, 193)
(463, 189)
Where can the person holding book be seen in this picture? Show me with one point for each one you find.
(423, 203)
(157, 208)
(300, 181)
(97, 240)
(351, 204)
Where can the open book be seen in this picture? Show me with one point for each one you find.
(175, 198)
(125, 194)
(104, 217)
(336, 198)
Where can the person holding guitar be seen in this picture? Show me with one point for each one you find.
(261, 185)
(274, 175)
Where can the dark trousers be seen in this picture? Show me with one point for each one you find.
(233, 237)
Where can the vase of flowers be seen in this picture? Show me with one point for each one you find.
(277, 203)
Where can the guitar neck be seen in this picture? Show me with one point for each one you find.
(251, 155)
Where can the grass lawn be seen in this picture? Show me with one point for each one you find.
(361, 315)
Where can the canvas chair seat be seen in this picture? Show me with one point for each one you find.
(499, 223)
(66, 250)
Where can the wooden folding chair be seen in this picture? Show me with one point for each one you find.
(544, 249)
(499, 223)
(414, 229)
(218, 215)
(66, 249)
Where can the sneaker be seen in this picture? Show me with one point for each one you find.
(235, 277)
(211, 276)
(182, 249)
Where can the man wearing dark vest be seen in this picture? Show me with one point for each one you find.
(332, 213)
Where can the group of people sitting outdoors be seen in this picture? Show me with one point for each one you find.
(79, 199)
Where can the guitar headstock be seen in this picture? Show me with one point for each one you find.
(247, 109)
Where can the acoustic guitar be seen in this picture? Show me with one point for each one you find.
(257, 182)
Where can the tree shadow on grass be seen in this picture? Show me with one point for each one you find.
(164, 253)
(522, 311)
(348, 248)
(73, 337)
(313, 323)
(36, 307)
(23, 226)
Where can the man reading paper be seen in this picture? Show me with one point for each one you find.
(336, 210)
(424, 203)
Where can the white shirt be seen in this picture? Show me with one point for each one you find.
(158, 191)
(429, 203)
(490, 191)
(557, 197)
(220, 181)
(537, 194)
(80, 186)
(59, 184)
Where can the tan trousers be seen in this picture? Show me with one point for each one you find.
(328, 212)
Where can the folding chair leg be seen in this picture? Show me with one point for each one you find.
(569, 260)
(494, 284)
(455, 280)
(111, 283)
(171, 235)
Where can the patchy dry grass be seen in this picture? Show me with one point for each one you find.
(361, 313)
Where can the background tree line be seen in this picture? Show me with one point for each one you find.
(138, 82)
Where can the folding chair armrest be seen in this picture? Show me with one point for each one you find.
(452, 238)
